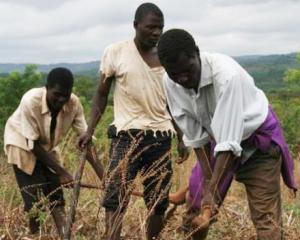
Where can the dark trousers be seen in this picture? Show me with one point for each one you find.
(42, 181)
(136, 152)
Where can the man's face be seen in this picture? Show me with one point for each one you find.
(186, 71)
(149, 29)
(57, 97)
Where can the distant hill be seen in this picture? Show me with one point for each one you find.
(85, 68)
(267, 70)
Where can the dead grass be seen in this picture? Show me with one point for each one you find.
(233, 221)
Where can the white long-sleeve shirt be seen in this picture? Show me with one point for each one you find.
(228, 107)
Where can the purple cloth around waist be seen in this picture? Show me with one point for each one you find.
(269, 131)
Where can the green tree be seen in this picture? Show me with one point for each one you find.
(84, 86)
(292, 76)
(12, 88)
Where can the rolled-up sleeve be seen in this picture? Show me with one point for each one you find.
(228, 123)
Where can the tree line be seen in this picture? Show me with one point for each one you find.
(285, 100)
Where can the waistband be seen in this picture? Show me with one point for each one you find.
(112, 132)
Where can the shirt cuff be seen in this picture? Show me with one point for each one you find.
(234, 147)
(195, 143)
(30, 144)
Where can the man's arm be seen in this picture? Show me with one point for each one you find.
(211, 196)
(182, 150)
(95, 162)
(213, 177)
(224, 162)
(98, 108)
(203, 157)
(48, 160)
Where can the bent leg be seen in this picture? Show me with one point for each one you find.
(53, 191)
(30, 187)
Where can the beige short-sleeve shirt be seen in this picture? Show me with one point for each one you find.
(139, 99)
(31, 122)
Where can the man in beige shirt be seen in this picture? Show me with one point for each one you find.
(142, 127)
(31, 136)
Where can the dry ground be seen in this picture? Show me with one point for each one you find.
(233, 221)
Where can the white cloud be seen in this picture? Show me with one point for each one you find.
(78, 30)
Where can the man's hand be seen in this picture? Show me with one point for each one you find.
(183, 152)
(209, 209)
(84, 140)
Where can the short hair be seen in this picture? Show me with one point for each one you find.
(172, 43)
(146, 8)
(60, 76)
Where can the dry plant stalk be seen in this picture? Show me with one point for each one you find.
(76, 191)
(236, 226)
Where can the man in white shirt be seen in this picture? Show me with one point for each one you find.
(142, 127)
(226, 119)
(31, 138)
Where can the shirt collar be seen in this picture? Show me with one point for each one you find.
(66, 106)
(45, 108)
(206, 72)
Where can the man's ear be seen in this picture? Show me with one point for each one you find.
(135, 23)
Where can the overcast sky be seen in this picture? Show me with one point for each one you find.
(53, 31)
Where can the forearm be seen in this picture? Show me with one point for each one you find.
(95, 162)
(213, 177)
(177, 129)
(99, 102)
(203, 157)
(48, 160)
(98, 108)
(224, 162)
